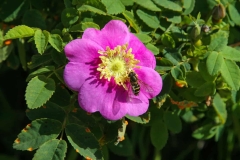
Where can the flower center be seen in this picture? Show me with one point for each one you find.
(117, 63)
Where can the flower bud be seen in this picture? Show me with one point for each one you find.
(195, 33)
(218, 13)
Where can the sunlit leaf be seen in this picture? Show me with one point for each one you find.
(37, 133)
(148, 18)
(85, 8)
(19, 32)
(230, 72)
(83, 141)
(214, 62)
(148, 5)
(131, 20)
(56, 42)
(234, 14)
(220, 108)
(168, 5)
(39, 90)
(41, 40)
(231, 53)
(114, 7)
(53, 149)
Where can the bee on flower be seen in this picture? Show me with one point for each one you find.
(106, 66)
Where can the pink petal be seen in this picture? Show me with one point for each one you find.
(114, 33)
(75, 74)
(82, 50)
(131, 104)
(141, 53)
(150, 81)
(99, 96)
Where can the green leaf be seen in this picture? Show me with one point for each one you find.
(39, 91)
(168, 5)
(49, 110)
(38, 60)
(130, 18)
(5, 52)
(231, 53)
(54, 149)
(86, 25)
(82, 118)
(171, 16)
(37, 133)
(218, 41)
(84, 8)
(173, 55)
(144, 37)
(206, 89)
(13, 61)
(214, 62)
(194, 79)
(69, 16)
(42, 70)
(127, 2)
(148, 5)
(220, 108)
(234, 14)
(168, 82)
(84, 142)
(124, 148)
(22, 53)
(177, 73)
(56, 42)
(188, 6)
(143, 119)
(34, 18)
(168, 40)
(19, 32)
(61, 96)
(153, 48)
(12, 9)
(231, 74)
(172, 122)
(206, 131)
(148, 18)
(159, 135)
(41, 40)
(204, 72)
(113, 7)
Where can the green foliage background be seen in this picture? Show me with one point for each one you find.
(196, 116)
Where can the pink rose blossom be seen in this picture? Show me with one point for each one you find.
(99, 66)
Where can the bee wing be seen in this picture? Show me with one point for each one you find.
(145, 88)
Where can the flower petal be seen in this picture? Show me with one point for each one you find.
(141, 53)
(75, 74)
(82, 50)
(114, 33)
(99, 96)
(151, 81)
(131, 104)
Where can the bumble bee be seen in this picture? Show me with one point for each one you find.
(134, 83)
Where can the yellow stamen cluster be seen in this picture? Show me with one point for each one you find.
(117, 63)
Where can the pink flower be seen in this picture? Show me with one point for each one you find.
(99, 66)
